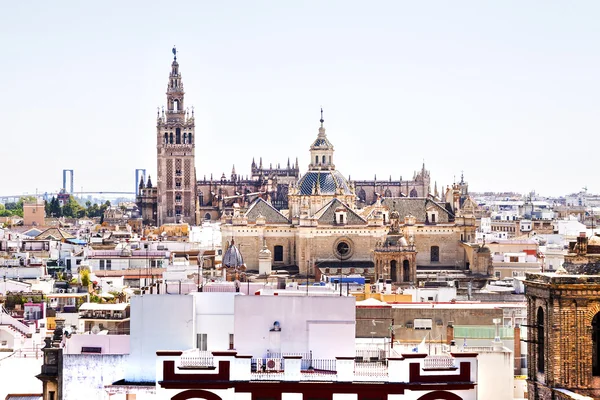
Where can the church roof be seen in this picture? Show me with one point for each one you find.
(321, 142)
(415, 206)
(270, 213)
(326, 215)
(327, 181)
(55, 233)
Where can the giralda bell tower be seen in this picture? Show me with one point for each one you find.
(175, 140)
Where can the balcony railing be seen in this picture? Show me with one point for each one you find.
(370, 370)
(196, 362)
(439, 362)
(391, 249)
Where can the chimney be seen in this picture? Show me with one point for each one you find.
(367, 288)
(449, 333)
(517, 349)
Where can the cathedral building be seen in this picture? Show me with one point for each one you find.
(216, 196)
(316, 222)
(325, 230)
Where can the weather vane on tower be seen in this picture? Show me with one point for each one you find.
(174, 53)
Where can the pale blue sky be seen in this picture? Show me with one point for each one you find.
(507, 91)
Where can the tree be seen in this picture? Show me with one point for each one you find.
(84, 274)
(55, 210)
(72, 208)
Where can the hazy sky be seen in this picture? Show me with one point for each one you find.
(507, 91)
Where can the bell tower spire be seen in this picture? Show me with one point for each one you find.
(175, 92)
(321, 151)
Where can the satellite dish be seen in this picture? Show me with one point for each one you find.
(95, 329)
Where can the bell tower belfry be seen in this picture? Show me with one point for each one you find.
(321, 151)
(175, 148)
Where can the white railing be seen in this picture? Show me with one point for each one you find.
(439, 362)
(267, 376)
(196, 359)
(370, 370)
(9, 263)
(6, 319)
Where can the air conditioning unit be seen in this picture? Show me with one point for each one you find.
(61, 290)
(273, 364)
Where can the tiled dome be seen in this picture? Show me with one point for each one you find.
(327, 181)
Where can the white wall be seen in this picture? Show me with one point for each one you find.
(495, 375)
(441, 294)
(21, 272)
(85, 375)
(214, 316)
(158, 322)
(325, 325)
(17, 375)
(110, 344)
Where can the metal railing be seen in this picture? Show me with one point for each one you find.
(318, 370)
(371, 369)
(196, 361)
(267, 369)
(439, 362)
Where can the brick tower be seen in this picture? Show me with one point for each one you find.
(564, 326)
(175, 143)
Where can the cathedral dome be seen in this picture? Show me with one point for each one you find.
(323, 182)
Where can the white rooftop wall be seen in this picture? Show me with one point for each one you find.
(323, 325)
(158, 322)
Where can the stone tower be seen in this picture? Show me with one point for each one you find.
(175, 142)
(563, 311)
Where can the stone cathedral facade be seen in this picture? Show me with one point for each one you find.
(175, 148)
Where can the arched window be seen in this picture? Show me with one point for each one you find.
(201, 199)
(323, 159)
(207, 216)
(540, 340)
(190, 138)
(435, 253)
(316, 159)
(171, 137)
(413, 193)
(278, 254)
(178, 135)
(166, 138)
(596, 344)
(184, 138)
(388, 193)
(393, 270)
(175, 105)
(406, 270)
(432, 218)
